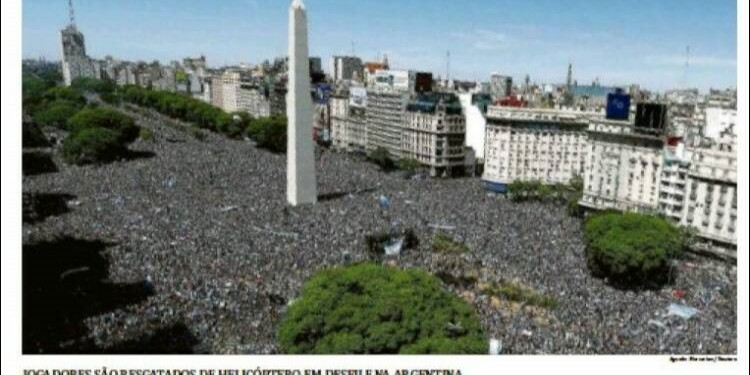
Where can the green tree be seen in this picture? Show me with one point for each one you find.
(93, 145)
(409, 165)
(110, 119)
(371, 309)
(33, 89)
(631, 249)
(269, 133)
(64, 93)
(56, 113)
(381, 157)
(93, 85)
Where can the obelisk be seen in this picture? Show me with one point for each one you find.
(301, 183)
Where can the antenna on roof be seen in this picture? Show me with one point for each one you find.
(448, 66)
(71, 13)
(687, 67)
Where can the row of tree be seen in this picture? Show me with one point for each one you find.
(268, 132)
(534, 190)
(94, 135)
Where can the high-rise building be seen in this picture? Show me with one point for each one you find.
(236, 90)
(346, 68)
(348, 119)
(75, 62)
(500, 86)
(385, 115)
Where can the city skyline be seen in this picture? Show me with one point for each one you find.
(518, 40)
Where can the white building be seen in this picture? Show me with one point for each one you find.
(623, 168)
(348, 119)
(230, 85)
(534, 144)
(674, 180)
(475, 124)
(711, 200)
(718, 120)
(393, 80)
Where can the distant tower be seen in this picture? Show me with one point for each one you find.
(568, 97)
(527, 84)
(75, 63)
(448, 66)
(301, 185)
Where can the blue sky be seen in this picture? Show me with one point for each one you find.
(620, 42)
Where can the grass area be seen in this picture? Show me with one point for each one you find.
(518, 293)
(443, 243)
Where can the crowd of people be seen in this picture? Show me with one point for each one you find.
(206, 223)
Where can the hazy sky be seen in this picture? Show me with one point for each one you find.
(621, 42)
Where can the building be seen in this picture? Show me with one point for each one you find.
(384, 117)
(370, 68)
(718, 120)
(623, 168)
(322, 113)
(591, 96)
(252, 98)
(394, 81)
(346, 68)
(722, 98)
(500, 86)
(711, 199)
(434, 133)
(230, 86)
(674, 179)
(531, 144)
(236, 90)
(217, 91)
(75, 62)
(349, 120)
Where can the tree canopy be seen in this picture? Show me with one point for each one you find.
(631, 248)
(371, 309)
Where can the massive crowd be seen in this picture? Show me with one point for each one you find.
(206, 224)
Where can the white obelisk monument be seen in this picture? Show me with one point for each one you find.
(301, 186)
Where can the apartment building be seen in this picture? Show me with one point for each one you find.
(385, 117)
(434, 133)
(711, 199)
(674, 179)
(348, 119)
(236, 90)
(546, 145)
